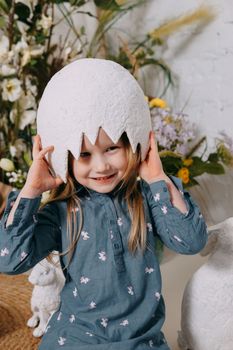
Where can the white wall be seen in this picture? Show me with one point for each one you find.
(203, 62)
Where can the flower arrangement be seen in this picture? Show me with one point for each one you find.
(175, 136)
(32, 50)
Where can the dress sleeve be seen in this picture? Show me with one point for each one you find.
(183, 233)
(31, 237)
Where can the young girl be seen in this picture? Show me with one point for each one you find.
(108, 208)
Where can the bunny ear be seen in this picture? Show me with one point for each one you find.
(216, 229)
(213, 232)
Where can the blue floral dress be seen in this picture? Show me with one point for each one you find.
(111, 299)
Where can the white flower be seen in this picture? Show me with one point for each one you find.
(84, 280)
(124, 323)
(149, 226)
(17, 148)
(45, 22)
(31, 89)
(7, 164)
(102, 256)
(4, 252)
(75, 292)
(27, 51)
(28, 117)
(11, 89)
(157, 296)
(149, 270)
(4, 48)
(157, 197)
(7, 70)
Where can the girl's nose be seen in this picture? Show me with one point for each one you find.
(101, 164)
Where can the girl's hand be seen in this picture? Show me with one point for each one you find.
(151, 168)
(39, 178)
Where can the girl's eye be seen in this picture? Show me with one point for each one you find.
(112, 148)
(84, 154)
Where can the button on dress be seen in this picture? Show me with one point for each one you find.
(112, 298)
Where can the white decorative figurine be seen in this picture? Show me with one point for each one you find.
(48, 281)
(207, 306)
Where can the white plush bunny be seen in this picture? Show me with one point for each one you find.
(207, 306)
(48, 281)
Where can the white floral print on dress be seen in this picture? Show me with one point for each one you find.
(84, 235)
(102, 256)
(149, 226)
(59, 316)
(157, 197)
(92, 305)
(34, 218)
(47, 328)
(149, 270)
(75, 292)
(23, 256)
(119, 221)
(164, 209)
(90, 334)
(130, 290)
(104, 322)
(4, 252)
(124, 323)
(72, 318)
(177, 238)
(157, 296)
(84, 280)
(151, 343)
(61, 341)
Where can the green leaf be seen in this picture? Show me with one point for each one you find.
(27, 158)
(22, 11)
(192, 182)
(82, 30)
(214, 168)
(2, 22)
(213, 157)
(171, 165)
(4, 6)
(77, 2)
(107, 4)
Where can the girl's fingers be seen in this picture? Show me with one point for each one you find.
(36, 146)
(43, 152)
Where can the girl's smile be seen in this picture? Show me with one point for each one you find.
(102, 166)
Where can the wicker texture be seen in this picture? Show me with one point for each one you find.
(15, 295)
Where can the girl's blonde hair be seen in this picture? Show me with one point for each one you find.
(129, 189)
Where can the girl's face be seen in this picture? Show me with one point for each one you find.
(100, 167)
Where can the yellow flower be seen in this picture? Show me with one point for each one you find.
(188, 162)
(183, 174)
(158, 103)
